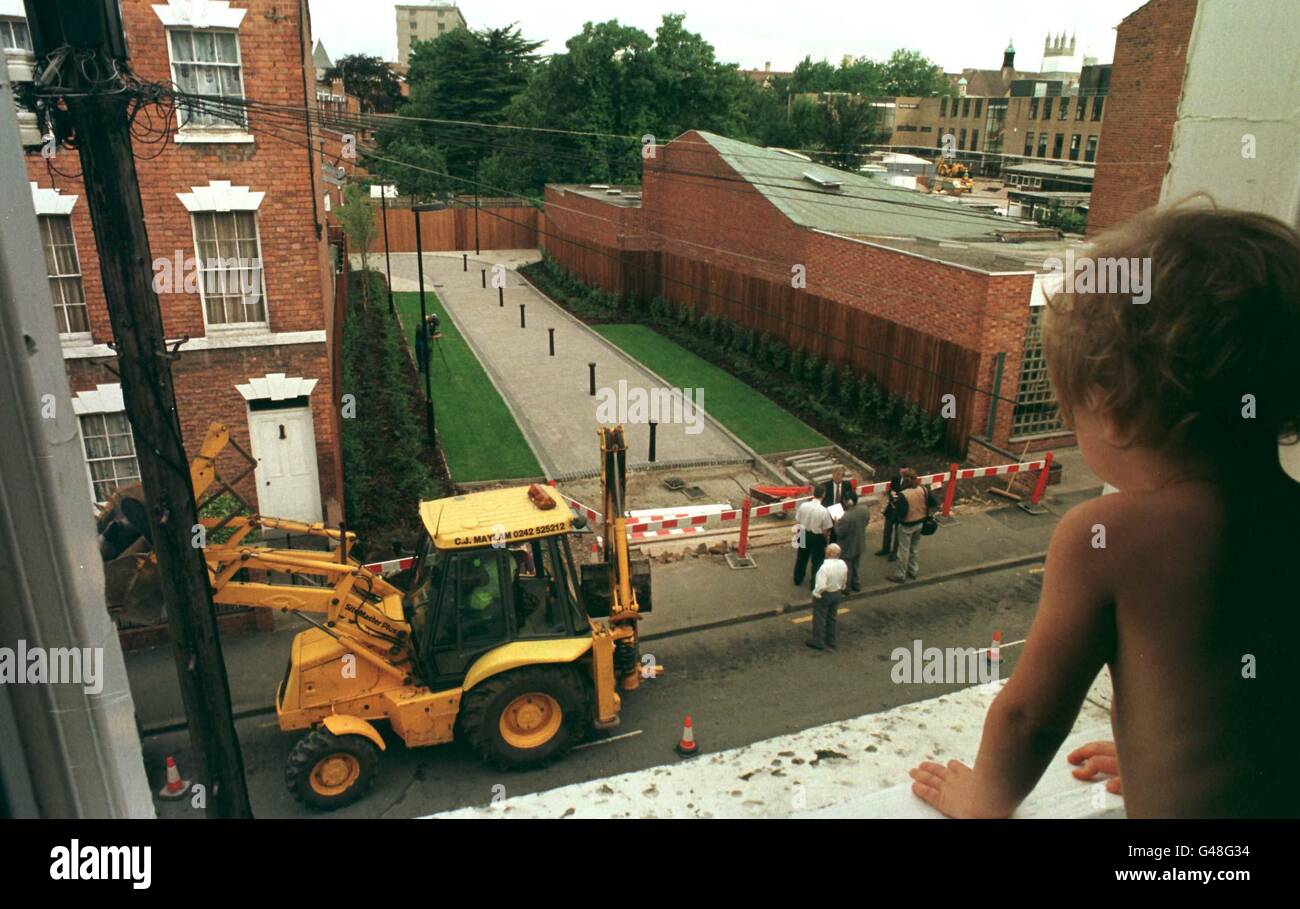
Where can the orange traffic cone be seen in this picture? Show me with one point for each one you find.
(175, 787)
(687, 747)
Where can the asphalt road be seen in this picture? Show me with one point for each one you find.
(741, 684)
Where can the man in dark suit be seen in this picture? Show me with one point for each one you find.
(889, 546)
(839, 491)
(852, 532)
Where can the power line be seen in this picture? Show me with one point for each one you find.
(816, 332)
(293, 123)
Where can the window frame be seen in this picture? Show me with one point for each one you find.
(8, 42)
(87, 459)
(209, 326)
(66, 336)
(222, 130)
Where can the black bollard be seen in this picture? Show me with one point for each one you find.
(464, 261)
(521, 316)
(483, 272)
(551, 332)
(653, 427)
(591, 367)
(501, 296)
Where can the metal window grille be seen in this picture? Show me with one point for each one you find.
(1036, 410)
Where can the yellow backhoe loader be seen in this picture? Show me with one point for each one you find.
(499, 639)
(952, 177)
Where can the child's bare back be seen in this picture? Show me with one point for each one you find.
(1183, 582)
(1205, 629)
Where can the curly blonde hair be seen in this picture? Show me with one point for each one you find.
(1222, 323)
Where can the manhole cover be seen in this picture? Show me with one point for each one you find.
(674, 483)
(693, 492)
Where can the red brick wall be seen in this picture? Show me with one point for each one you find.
(205, 387)
(1145, 89)
(275, 48)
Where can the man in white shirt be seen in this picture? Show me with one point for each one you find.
(828, 588)
(815, 525)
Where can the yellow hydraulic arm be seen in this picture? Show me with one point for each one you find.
(624, 610)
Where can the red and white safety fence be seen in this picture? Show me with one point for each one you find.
(391, 567)
(669, 524)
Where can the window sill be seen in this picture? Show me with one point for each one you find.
(209, 136)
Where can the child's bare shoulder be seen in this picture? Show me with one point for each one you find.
(1189, 518)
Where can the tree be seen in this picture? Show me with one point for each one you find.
(908, 72)
(370, 80)
(469, 77)
(357, 218)
(845, 124)
(615, 84)
(417, 168)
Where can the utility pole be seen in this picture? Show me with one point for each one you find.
(98, 116)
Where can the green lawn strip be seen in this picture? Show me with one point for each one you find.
(761, 423)
(479, 436)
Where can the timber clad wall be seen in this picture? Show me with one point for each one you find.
(509, 227)
(922, 328)
(1146, 87)
(274, 46)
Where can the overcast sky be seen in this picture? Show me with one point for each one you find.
(954, 33)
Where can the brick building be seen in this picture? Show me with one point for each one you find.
(1054, 114)
(928, 298)
(1150, 62)
(242, 263)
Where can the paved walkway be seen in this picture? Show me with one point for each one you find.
(549, 396)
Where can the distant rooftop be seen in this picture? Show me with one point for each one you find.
(1044, 169)
(823, 198)
(620, 195)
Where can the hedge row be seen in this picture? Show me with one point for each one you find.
(385, 462)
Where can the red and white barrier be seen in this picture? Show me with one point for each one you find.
(650, 525)
(391, 567)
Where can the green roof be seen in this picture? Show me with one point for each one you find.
(861, 206)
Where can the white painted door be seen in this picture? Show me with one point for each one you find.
(284, 445)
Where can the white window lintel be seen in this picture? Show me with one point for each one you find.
(276, 386)
(51, 201)
(199, 14)
(104, 399)
(220, 196)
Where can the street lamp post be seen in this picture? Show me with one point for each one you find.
(388, 264)
(476, 246)
(422, 339)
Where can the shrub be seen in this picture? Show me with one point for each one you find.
(909, 425)
(779, 355)
(813, 373)
(796, 364)
(934, 431)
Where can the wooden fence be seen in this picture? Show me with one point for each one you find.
(499, 227)
(904, 360)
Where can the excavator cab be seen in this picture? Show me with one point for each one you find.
(465, 602)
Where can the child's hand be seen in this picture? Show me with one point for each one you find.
(1097, 757)
(951, 789)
